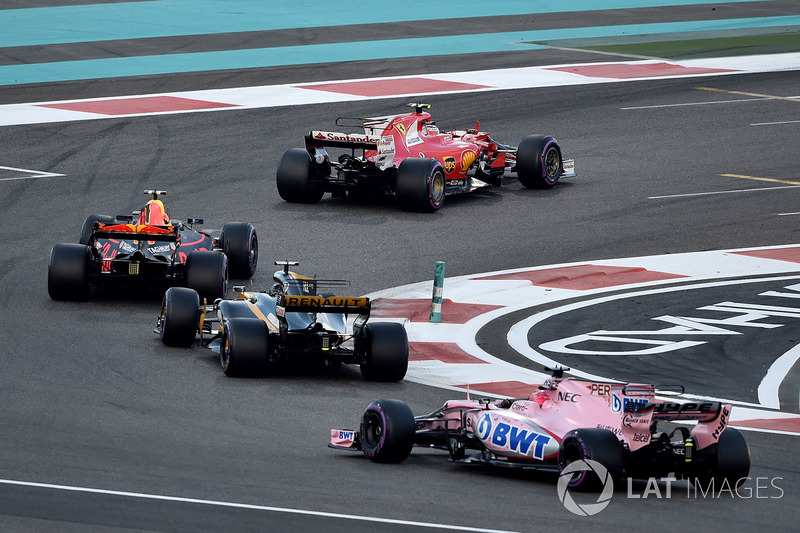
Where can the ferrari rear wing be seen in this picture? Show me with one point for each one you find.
(316, 139)
(291, 303)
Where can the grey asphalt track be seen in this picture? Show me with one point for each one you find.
(92, 399)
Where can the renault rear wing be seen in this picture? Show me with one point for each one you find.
(294, 303)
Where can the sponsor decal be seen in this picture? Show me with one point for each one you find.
(386, 152)
(455, 183)
(346, 137)
(467, 158)
(321, 302)
(568, 397)
(641, 437)
(449, 164)
(723, 422)
(612, 429)
(512, 438)
(280, 311)
(625, 404)
(342, 437)
(160, 249)
(666, 408)
(600, 389)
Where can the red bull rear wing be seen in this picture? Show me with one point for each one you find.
(131, 231)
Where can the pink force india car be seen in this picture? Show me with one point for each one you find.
(563, 421)
(406, 156)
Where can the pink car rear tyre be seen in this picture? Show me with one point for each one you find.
(591, 444)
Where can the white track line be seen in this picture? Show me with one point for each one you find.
(268, 508)
(36, 174)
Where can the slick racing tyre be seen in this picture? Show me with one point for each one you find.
(387, 431)
(296, 178)
(180, 316)
(68, 272)
(88, 226)
(240, 243)
(599, 445)
(420, 185)
(539, 162)
(244, 351)
(730, 463)
(386, 351)
(207, 273)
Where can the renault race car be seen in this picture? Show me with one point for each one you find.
(293, 322)
(406, 156)
(565, 421)
(149, 248)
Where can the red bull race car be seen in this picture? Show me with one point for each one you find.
(295, 322)
(563, 427)
(148, 247)
(407, 157)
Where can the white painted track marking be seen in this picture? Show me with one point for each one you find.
(755, 189)
(661, 106)
(768, 389)
(776, 123)
(215, 503)
(487, 80)
(34, 174)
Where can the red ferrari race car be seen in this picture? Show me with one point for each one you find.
(148, 247)
(562, 422)
(406, 156)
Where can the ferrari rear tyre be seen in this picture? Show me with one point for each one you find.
(591, 444)
(387, 431)
(386, 347)
(296, 178)
(539, 162)
(420, 185)
(730, 464)
(180, 316)
(68, 272)
(207, 273)
(244, 351)
(239, 241)
(88, 226)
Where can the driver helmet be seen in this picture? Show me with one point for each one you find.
(154, 214)
(540, 397)
(429, 128)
